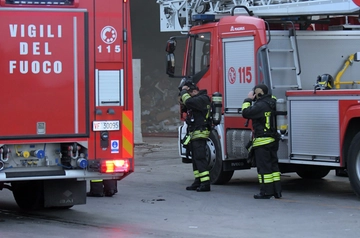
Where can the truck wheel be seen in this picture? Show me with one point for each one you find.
(353, 164)
(28, 195)
(213, 153)
(312, 172)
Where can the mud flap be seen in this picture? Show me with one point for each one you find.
(64, 193)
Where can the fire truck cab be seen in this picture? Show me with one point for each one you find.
(306, 52)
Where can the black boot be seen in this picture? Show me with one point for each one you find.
(277, 195)
(194, 185)
(110, 187)
(204, 187)
(90, 194)
(109, 193)
(277, 189)
(96, 189)
(262, 196)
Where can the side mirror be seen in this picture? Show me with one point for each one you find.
(170, 45)
(170, 64)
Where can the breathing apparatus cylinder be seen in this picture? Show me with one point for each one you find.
(216, 108)
(281, 118)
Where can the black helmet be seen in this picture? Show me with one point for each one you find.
(324, 81)
(191, 85)
(263, 87)
(187, 82)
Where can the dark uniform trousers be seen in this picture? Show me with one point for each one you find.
(101, 187)
(268, 168)
(198, 155)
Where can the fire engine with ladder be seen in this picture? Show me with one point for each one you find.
(67, 98)
(307, 54)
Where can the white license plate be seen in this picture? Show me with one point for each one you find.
(106, 125)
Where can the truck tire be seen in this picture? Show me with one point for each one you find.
(217, 175)
(312, 172)
(28, 195)
(353, 164)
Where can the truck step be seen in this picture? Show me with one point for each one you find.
(286, 86)
(283, 68)
(280, 50)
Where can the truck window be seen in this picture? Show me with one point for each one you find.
(263, 66)
(199, 53)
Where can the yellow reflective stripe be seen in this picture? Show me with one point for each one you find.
(267, 120)
(245, 105)
(204, 173)
(217, 99)
(200, 134)
(268, 178)
(276, 176)
(208, 112)
(185, 97)
(127, 134)
(188, 138)
(262, 141)
(96, 180)
(203, 179)
(204, 176)
(196, 173)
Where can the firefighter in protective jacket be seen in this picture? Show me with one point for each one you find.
(265, 142)
(197, 105)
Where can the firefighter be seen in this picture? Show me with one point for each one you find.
(101, 188)
(197, 105)
(265, 141)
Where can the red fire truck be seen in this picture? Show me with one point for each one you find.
(305, 51)
(67, 98)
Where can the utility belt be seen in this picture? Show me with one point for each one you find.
(274, 135)
(196, 134)
(192, 128)
(268, 134)
(259, 141)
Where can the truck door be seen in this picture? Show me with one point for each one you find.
(239, 71)
(44, 73)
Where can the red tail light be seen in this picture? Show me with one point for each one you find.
(115, 166)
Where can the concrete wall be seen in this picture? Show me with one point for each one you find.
(137, 101)
(158, 93)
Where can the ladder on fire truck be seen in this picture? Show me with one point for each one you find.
(176, 15)
(296, 68)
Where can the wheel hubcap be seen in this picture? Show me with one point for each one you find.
(210, 153)
(357, 165)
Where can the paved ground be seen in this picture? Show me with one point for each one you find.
(152, 202)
